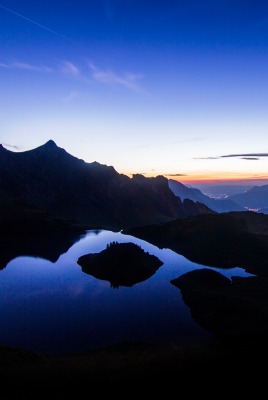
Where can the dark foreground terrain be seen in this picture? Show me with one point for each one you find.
(136, 370)
(235, 311)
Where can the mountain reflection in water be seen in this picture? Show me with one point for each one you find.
(55, 308)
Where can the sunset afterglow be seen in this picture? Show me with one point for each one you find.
(169, 88)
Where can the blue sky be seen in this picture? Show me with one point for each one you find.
(178, 88)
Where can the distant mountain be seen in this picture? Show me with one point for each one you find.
(255, 198)
(218, 205)
(222, 191)
(52, 181)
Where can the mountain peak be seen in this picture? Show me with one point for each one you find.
(50, 143)
(50, 147)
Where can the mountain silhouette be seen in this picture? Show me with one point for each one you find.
(255, 198)
(51, 180)
(196, 195)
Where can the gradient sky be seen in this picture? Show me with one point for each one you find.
(178, 88)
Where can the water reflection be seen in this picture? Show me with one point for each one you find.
(49, 247)
(51, 306)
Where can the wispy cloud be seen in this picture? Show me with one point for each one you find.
(175, 175)
(30, 67)
(68, 68)
(26, 67)
(248, 156)
(127, 80)
(72, 70)
(12, 146)
(259, 176)
(2, 65)
(206, 158)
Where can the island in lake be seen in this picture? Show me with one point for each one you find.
(122, 264)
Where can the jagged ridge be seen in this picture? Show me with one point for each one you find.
(50, 179)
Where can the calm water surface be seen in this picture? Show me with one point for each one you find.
(55, 308)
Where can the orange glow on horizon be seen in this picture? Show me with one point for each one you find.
(222, 181)
(208, 178)
(225, 178)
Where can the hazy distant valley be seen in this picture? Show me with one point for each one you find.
(225, 198)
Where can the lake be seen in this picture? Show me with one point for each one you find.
(55, 308)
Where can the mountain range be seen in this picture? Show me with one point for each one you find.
(47, 191)
(218, 205)
(255, 198)
(245, 197)
(49, 181)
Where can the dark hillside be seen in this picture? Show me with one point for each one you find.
(51, 180)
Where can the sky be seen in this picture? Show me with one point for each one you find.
(173, 88)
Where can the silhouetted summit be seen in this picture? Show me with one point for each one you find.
(50, 179)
